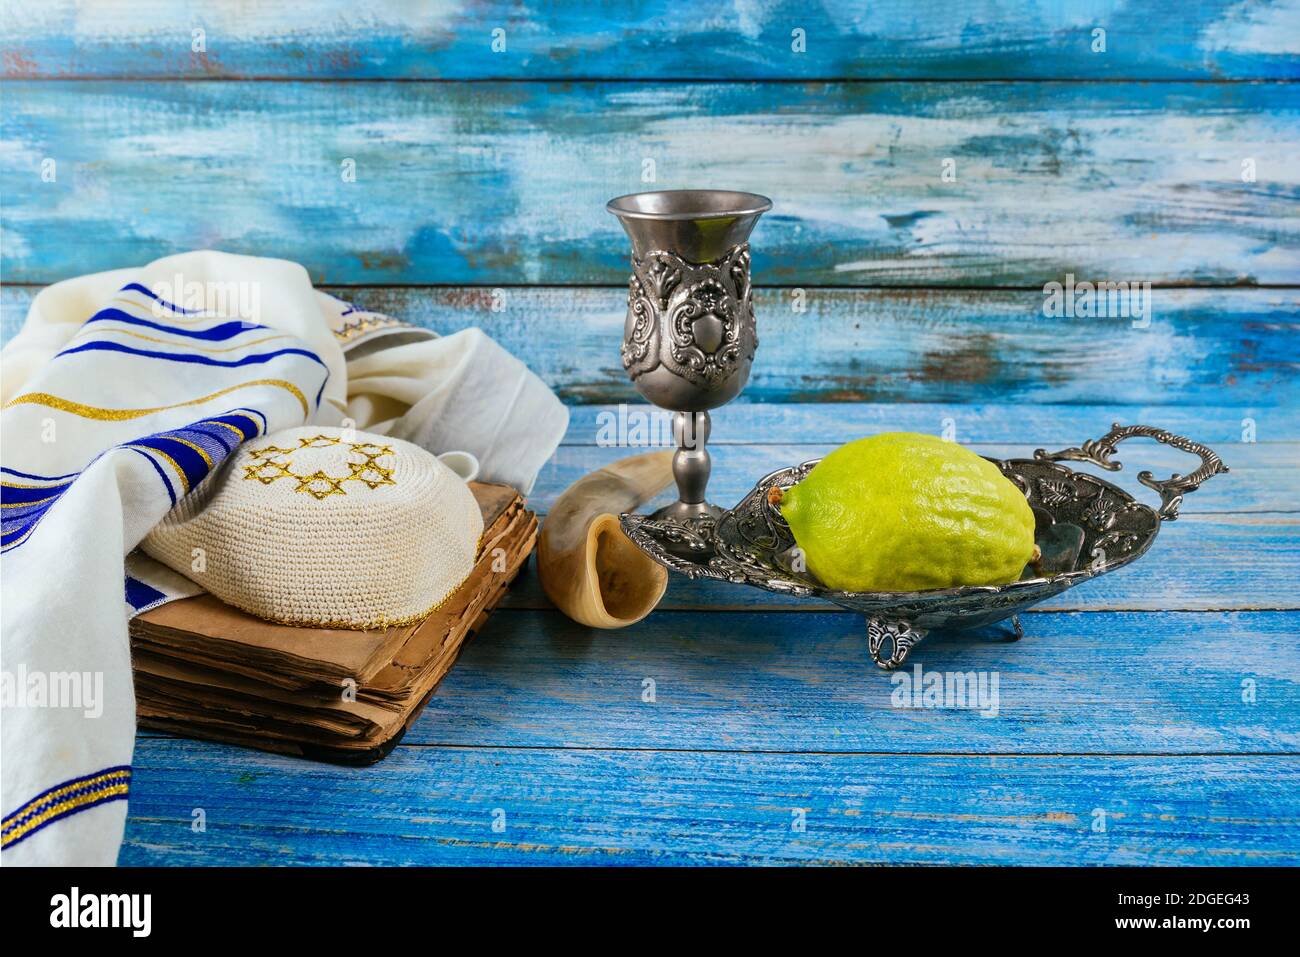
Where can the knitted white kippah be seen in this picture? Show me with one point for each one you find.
(328, 527)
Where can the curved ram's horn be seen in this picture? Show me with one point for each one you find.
(588, 567)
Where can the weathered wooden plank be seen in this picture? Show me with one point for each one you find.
(879, 345)
(571, 39)
(438, 806)
(1118, 683)
(914, 345)
(506, 182)
(1051, 426)
(951, 351)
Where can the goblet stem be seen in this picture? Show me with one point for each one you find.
(691, 467)
(691, 462)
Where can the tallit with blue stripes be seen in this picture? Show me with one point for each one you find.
(121, 393)
(147, 396)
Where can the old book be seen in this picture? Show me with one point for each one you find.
(205, 669)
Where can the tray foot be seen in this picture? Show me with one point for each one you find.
(890, 642)
(1016, 632)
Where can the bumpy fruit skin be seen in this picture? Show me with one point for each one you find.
(907, 512)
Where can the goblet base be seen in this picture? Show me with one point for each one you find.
(686, 529)
(687, 513)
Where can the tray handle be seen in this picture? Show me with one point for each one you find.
(1172, 489)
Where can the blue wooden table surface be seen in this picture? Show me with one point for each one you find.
(1151, 717)
(933, 166)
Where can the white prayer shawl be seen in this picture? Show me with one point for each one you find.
(122, 392)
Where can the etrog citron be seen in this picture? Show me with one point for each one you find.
(907, 512)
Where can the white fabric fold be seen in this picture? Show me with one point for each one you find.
(462, 391)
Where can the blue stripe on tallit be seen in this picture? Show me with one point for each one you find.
(220, 430)
(15, 531)
(136, 287)
(216, 441)
(190, 462)
(14, 527)
(20, 513)
(224, 438)
(166, 452)
(204, 438)
(39, 478)
(104, 346)
(70, 797)
(261, 415)
(10, 495)
(243, 421)
(167, 483)
(139, 595)
(217, 333)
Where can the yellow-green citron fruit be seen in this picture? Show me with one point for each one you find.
(906, 512)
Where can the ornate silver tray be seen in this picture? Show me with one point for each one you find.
(1085, 527)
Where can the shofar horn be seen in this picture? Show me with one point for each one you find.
(588, 567)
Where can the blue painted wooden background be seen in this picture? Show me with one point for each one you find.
(1164, 148)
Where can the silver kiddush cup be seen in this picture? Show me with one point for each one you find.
(689, 338)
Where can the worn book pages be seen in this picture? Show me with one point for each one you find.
(205, 669)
